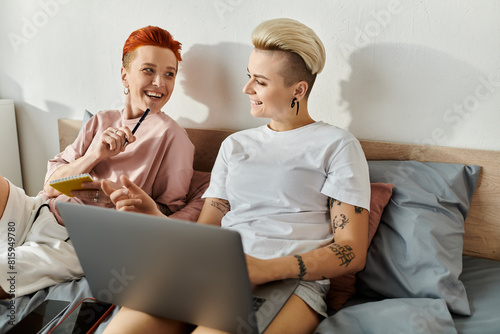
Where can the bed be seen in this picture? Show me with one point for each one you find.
(434, 260)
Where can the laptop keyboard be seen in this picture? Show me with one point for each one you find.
(257, 303)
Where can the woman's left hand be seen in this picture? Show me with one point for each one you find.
(131, 197)
(93, 194)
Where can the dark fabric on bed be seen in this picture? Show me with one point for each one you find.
(73, 291)
(481, 278)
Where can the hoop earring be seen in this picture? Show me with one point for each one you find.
(293, 105)
(125, 90)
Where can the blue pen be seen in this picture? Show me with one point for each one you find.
(137, 125)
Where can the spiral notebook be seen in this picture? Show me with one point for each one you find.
(67, 184)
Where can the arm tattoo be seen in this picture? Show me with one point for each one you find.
(221, 205)
(344, 253)
(339, 221)
(332, 201)
(302, 267)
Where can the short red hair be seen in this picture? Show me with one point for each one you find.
(149, 35)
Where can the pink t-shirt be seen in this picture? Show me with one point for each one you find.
(160, 161)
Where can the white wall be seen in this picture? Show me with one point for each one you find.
(417, 71)
(10, 162)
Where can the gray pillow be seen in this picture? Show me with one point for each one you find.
(417, 250)
(86, 116)
(415, 315)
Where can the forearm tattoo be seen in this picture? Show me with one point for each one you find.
(344, 253)
(222, 205)
(302, 267)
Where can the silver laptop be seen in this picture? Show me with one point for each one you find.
(171, 268)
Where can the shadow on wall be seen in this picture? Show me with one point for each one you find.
(214, 75)
(413, 94)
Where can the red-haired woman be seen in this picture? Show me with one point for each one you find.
(149, 69)
(158, 158)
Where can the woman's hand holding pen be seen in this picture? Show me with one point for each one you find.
(113, 141)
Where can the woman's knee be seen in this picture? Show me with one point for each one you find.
(132, 321)
(295, 317)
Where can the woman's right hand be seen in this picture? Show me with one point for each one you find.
(131, 198)
(112, 141)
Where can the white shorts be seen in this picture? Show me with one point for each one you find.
(34, 254)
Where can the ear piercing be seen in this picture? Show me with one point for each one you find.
(293, 105)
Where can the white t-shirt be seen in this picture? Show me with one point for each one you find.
(278, 185)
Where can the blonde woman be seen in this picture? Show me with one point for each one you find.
(296, 189)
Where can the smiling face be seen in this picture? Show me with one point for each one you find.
(269, 96)
(150, 78)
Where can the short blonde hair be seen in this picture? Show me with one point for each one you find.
(290, 35)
